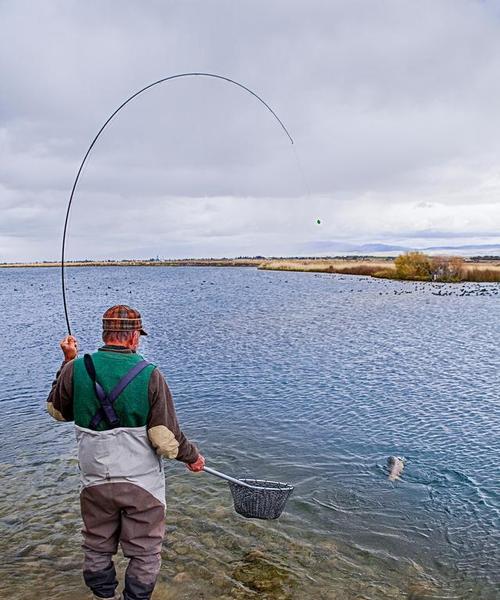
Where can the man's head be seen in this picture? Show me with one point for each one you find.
(122, 326)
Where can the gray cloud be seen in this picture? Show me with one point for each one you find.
(393, 106)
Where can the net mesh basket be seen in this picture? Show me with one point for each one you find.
(264, 500)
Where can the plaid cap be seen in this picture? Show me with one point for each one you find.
(122, 318)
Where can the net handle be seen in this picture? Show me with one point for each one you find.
(227, 477)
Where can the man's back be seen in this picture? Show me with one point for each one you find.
(111, 365)
(123, 453)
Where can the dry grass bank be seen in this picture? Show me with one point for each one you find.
(320, 265)
(370, 267)
(484, 271)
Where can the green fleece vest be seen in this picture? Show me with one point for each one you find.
(132, 406)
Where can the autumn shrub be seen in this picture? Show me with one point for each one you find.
(413, 265)
(447, 268)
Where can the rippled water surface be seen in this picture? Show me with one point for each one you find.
(310, 379)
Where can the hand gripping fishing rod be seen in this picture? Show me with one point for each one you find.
(151, 85)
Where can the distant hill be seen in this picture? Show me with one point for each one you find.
(324, 247)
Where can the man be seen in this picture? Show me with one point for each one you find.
(125, 422)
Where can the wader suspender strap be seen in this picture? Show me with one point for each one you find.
(107, 410)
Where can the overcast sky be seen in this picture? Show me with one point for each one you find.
(394, 107)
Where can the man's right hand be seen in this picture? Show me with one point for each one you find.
(198, 464)
(69, 346)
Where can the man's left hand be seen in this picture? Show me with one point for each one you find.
(69, 346)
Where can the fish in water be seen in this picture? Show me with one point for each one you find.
(395, 464)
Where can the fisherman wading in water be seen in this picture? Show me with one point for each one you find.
(125, 423)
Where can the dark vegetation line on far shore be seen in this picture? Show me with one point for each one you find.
(412, 266)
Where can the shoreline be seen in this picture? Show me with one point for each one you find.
(479, 271)
(183, 262)
(475, 270)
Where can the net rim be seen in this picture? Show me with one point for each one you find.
(285, 487)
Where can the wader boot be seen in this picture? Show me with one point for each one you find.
(115, 597)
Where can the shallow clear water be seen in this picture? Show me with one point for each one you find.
(309, 379)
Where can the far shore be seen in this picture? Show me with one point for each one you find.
(182, 262)
(479, 270)
(475, 269)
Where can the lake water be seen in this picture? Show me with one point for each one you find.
(309, 379)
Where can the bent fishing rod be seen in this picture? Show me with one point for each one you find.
(109, 119)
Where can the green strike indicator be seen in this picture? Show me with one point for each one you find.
(318, 221)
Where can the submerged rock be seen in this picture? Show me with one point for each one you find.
(182, 550)
(182, 577)
(69, 563)
(421, 591)
(259, 574)
(44, 551)
(25, 551)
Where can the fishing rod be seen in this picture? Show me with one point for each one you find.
(134, 95)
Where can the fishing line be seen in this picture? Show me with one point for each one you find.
(151, 85)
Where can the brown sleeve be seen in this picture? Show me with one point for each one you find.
(60, 400)
(163, 428)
